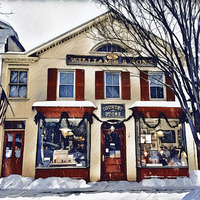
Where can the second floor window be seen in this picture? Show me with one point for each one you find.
(18, 84)
(156, 85)
(112, 85)
(66, 84)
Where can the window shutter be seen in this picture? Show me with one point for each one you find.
(170, 96)
(144, 85)
(125, 78)
(80, 83)
(99, 85)
(52, 84)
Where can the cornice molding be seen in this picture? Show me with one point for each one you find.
(61, 41)
(20, 60)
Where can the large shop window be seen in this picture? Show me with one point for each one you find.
(161, 146)
(61, 147)
(66, 84)
(156, 85)
(18, 84)
(112, 84)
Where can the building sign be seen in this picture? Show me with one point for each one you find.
(112, 111)
(107, 61)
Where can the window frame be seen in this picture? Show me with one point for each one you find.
(18, 84)
(163, 86)
(105, 84)
(58, 85)
(40, 132)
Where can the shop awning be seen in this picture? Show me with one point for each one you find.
(54, 109)
(152, 109)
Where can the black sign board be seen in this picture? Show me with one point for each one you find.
(104, 61)
(112, 111)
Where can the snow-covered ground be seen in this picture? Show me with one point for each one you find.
(18, 187)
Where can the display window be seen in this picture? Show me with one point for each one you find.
(160, 143)
(60, 146)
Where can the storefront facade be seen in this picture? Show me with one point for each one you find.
(83, 111)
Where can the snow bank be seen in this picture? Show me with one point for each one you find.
(17, 182)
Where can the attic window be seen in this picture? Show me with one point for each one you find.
(110, 48)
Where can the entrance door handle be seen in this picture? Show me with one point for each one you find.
(103, 158)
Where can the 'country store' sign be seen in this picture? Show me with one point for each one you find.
(112, 110)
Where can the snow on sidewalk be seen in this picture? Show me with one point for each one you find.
(57, 185)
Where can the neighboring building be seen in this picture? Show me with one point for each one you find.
(9, 40)
(72, 98)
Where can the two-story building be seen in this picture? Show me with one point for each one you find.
(82, 110)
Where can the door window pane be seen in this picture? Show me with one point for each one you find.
(18, 145)
(112, 145)
(9, 144)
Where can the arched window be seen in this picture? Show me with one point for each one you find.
(111, 48)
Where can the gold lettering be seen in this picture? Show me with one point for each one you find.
(73, 59)
(100, 61)
(107, 61)
(95, 60)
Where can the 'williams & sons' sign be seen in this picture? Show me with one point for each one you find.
(109, 60)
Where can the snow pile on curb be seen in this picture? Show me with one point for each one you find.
(17, 182)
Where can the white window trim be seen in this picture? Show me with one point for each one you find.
(164, 87)
(27, 83)
(58, 84)
(120, 87)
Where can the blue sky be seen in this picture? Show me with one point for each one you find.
(37, 21)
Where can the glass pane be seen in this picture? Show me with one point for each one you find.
(70, 91)
(153, 92)
(109, 92)
(112, 145)
(70, 78)
(13, 91)
(23, 77)
(63, 91)
(155, 79)
(58, 148)
(115, 79)
(160, 92)
(18, 145)
(63, 78)
(108, 79)
(9, 143)
(14, 77)
(115, 92)
(22, 91)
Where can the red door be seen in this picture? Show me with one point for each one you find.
(113, 153)
(13, 153)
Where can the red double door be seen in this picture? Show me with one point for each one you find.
(13, 153)
(113, 154)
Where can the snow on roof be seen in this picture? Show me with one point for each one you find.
(155, 104)
(64, 104)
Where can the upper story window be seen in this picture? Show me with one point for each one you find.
(18, 84)
(111, 48)
(112, 84)
(66, 84)
(156, 85)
